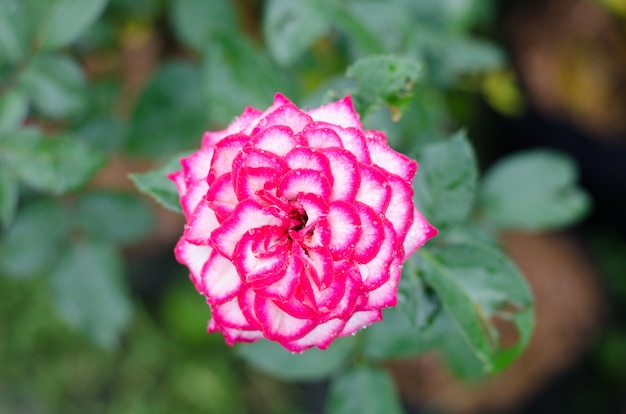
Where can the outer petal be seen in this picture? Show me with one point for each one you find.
(277, 139)
(386, 294)
(190, 200)
(400, 210)
(221, 196)
(285, 115)
(321, 336)
(196, 166)
(278, 325)
(340, 113)
(224, 155)
(229, 314)
(194, 257)
(241, 124)
(376, 272)
(220, 279)
(390, 160)
(360, 320)
(372, 233)
(201, 224)
(419, 233)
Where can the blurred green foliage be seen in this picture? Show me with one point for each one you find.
(67, 114)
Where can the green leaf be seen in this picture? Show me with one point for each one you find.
(363, 390)
(13, 110)
(384, 80)
(459, 356)
(34, 241)
(291, 27)
(156, 184)
(56, 86)
(534, 190)
(312, 364)
(171, 114)
(115, 217)
(8, 195)
(445, 185)
(395, 337)
(195, 21)
(367, 24)
(235, 74)
(482, 291)
(66, 21)
(88, 292)
(55, 165)
(14, 31)
(450, 56)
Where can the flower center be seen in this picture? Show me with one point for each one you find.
(297, 218)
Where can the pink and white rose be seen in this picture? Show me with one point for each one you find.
(298, 223)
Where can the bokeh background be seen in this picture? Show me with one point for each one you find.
(516, 74)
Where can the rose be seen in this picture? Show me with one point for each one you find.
(298, 223)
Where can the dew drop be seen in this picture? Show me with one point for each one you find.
(298, 173)
(251, 232)
(353, 334)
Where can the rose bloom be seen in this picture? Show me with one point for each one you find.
(298, 223)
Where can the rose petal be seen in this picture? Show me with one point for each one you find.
(361, 320)
(376, 272)
(285, 115)
(372, 233)
(277, 324)
(261, 255)
(241, 124)
(386, 295)
(221, 197)
(419, 233)
(194, 257)
(340, 113)
(303, 181)
(321, 336)
(310, 159)
(249, 181)
(400, 209)
(345, 172)
(374, 189)
(224, 155)
(277, 139)
(321, 138)
(248, 215)
(220, 279)
(282, 289)
(201, 223)
(230, 314)
(196, 166)
(390, 160)
(345, 229)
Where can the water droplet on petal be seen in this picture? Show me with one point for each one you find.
(251, 232)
